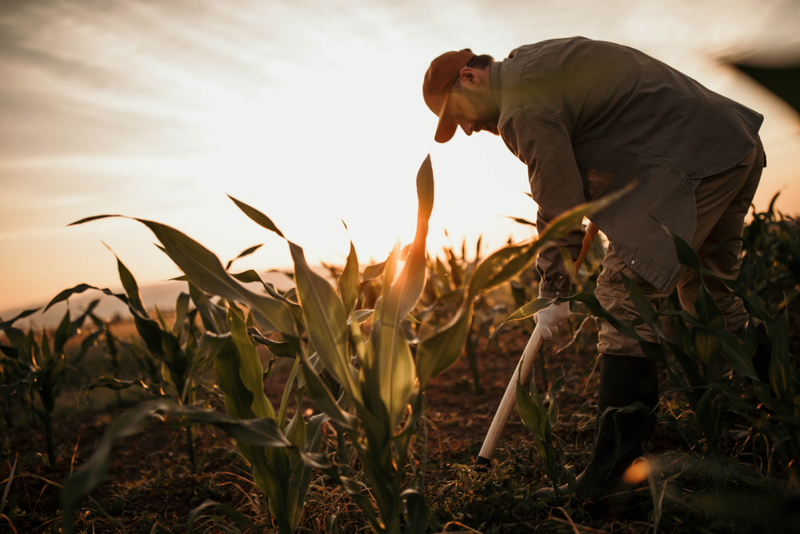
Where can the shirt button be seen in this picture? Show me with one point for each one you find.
(558, 292)
(633, 261)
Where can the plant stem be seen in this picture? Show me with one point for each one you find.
(47, 421)
(190, 445)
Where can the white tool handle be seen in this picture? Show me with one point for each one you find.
(509, 398)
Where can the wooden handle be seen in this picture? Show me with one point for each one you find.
(531, 350)
(509, 398)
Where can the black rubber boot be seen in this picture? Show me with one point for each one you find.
(624, 380)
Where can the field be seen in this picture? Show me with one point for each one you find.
(362, 407)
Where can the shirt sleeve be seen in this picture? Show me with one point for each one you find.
(541, 140)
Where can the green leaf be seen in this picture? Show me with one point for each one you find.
(215, 318)
(248, 277)
(782, 367)
(348, 281)
(321, 396)
(205, 270)
(359, 316)
(531, 411)
(287, 391)
(131, 289)
(325, 320)
(686, 256)
(372, 272)
(242, 254)
(520, 220)
(62, 334)
(529, 309)
(397, 371)
(26, 313)
(249, 366)
(181, 312)
(442, 349)
(643, 306)
(258, 217)
(281, 349)
(80, 288)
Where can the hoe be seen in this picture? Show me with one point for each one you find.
(528, 355)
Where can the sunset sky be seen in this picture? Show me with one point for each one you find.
(309, 110)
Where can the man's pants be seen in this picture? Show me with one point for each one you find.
(722, 200)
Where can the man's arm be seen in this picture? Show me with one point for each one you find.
(541, 140)
(556, 281)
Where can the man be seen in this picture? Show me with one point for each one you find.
(587, 118)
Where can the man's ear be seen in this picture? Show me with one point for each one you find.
(469, 77)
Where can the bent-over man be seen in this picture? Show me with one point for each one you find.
(587, 118)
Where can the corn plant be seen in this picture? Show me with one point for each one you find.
(41, 369)
(541, 421)
(771, 264)
(176, 346)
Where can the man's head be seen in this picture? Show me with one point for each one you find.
(456, 88)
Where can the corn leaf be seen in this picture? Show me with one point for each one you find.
(242, 254)
(205, 270)
(441, 350)
(782, 367)
(397, 371)
(257, 216)
(250, 370)
(26, 313)
(80, 288)
(62, 334)
(325, 320)
(348, 281)
(643, 306)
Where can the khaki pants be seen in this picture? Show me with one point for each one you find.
(722, 200)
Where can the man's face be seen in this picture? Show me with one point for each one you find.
(473, 109)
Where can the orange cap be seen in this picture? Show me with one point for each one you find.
(436, 88)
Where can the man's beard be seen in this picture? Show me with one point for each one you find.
(485, 107)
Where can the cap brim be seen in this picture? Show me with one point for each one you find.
(445, 130)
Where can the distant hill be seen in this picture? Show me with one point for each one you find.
(162, 295)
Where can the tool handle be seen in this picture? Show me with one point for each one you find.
(509, 399)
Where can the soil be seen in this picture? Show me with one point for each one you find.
(150, 487)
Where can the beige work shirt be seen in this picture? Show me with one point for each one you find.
(587, 118)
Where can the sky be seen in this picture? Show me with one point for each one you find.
(310, 111)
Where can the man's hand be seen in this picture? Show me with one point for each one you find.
(549, 318)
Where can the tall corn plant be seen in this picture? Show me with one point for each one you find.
(385, 386)
(383, 381)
